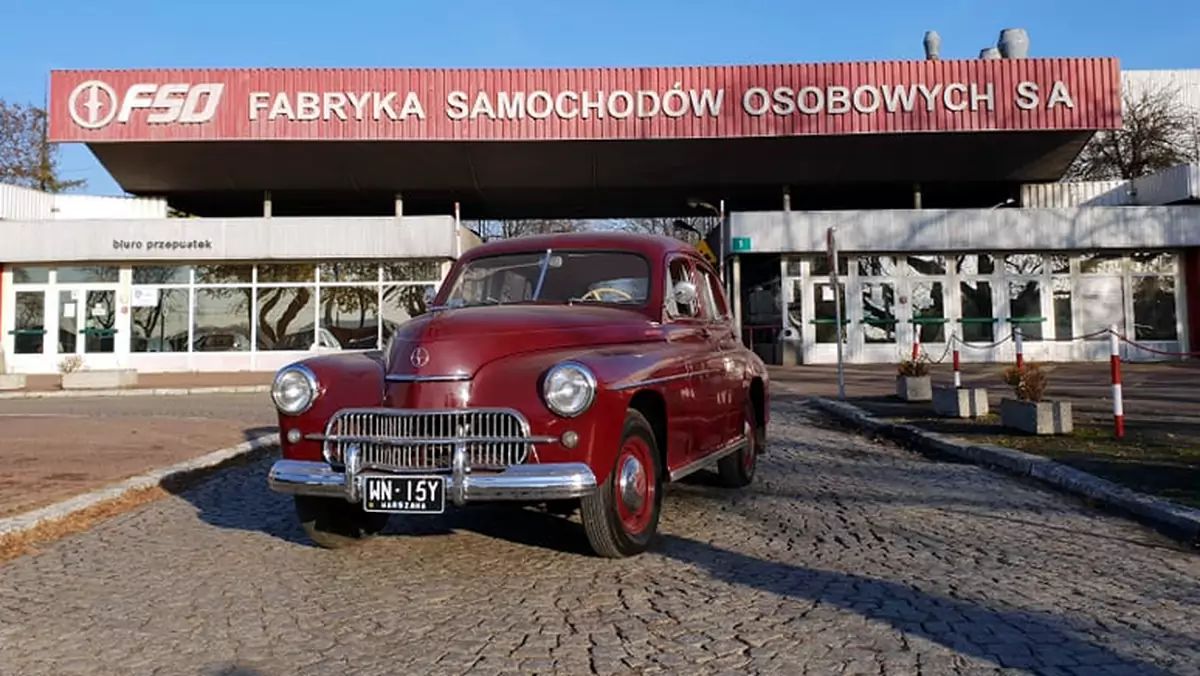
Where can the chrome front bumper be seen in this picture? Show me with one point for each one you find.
(529, 483)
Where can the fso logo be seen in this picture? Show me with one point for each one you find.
(95, 104)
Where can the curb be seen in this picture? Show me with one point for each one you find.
(136, 392)
(1173, 520)
(179, 472)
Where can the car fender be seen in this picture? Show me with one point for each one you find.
(344, 380)
(516, 382)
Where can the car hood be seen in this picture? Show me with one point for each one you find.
(461, 341)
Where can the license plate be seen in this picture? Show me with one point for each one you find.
(404, 494)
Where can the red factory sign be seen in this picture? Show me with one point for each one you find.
(609, 103)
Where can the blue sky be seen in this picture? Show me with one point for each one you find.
(39, 35)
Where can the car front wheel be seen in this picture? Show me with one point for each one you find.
(621, 517)
(333, 523)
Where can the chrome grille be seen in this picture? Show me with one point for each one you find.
(400, 440)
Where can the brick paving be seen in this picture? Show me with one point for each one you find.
(53, 449)
(845, 557)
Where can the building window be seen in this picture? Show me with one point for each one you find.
(1025, 307)
(879, 312)
(31, 275)
(878, 266)
(819, 266)
(1101, 263)
(89, 275)
(978, 315)
(159, 319)
(975, 264)
(929, 311)
(1064, 328)
(350, 315)
(1152, 278)
(29, 330)
(825, 312)
(223, 314)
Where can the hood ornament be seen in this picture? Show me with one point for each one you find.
(419, 357)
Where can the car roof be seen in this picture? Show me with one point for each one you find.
(653, 247)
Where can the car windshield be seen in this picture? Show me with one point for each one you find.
(554, 276)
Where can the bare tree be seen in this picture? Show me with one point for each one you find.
(510, 229)
(27, 158)
(1158, 132)
(691, 229)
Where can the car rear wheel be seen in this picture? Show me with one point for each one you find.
(737, 470)
(621, 517)
(333, 523)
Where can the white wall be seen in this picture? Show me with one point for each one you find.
(941, 230)
(17, 203)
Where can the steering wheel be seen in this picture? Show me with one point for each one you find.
(603, 289)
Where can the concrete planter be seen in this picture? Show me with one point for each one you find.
(99, 380)
(12, 382)
(914, 388)
(1037, 417)
(963, 402)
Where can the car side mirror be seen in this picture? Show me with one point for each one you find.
(686, 293)
(683, 293)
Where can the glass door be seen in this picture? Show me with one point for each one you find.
(87, 321)
(29, 327)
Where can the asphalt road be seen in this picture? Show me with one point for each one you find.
(844, 557)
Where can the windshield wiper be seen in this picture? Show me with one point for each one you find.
(537, 291)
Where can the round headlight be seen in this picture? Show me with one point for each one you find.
(294, 390)
(569, 389)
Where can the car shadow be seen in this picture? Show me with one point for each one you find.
(1005, 638)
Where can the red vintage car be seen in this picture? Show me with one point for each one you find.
(567, 371)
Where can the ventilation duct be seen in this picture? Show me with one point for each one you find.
(933, 45)
(1013, 43)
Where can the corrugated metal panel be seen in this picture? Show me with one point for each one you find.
(105, 207)
(1075, 194)
(608, 103)
(1186, 84)
(1177, 184)
(17, 203)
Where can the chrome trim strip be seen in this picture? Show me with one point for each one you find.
(335, 438)
(406, 378)
(700, 463)
(663, 379)
(520, 483)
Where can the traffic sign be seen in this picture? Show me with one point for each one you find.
(705, 251)
(741, 244)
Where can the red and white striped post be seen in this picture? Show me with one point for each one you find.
(1020, 343)
(1115, 361)
(957, 363)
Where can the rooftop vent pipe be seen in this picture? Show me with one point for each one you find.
(933, 45)
(1013, 43)
(989, 53)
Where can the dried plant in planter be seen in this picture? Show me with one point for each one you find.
(1028, 383)
(70, 364)
(914, 368)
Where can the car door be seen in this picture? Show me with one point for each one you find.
(722, 362)
(690, 398)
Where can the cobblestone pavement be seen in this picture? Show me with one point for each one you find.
(844, 557)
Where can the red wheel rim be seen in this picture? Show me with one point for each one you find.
(635, 486)
(750, 456)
